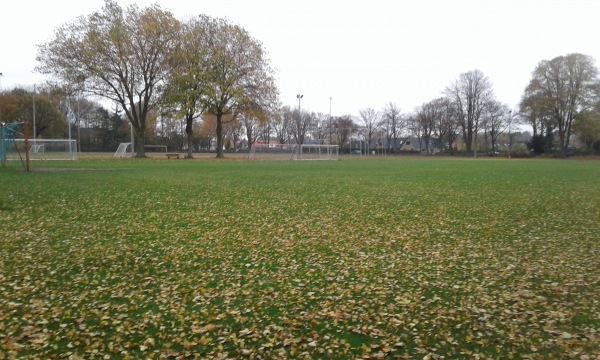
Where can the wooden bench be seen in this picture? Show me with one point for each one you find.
(170, 155)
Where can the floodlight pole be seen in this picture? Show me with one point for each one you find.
(509, 133)
(330, 142)
(132, 140)
(69, 124)
(299, 96)
(2, 145)
(26, 136)
(34, 132)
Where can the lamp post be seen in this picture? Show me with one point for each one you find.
(1, 82)
(509, 133)
(34, 130)
(299, 97)
(329, 126)
(298, 126)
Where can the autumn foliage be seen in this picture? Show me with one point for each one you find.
(388, 258)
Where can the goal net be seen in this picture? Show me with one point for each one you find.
(271, 151)
(318, 152)
(122, 150)
(289, 151)
(45, 149)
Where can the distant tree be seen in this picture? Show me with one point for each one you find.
(495, 123)
(559, 90)
(302, 123)
(77, 110)
(121, 55)
(231, 132)
(207, 131)
(237, 77)
(185, 84)
(17, 105)
(587, 128)
(369, 118)
(446, 127)
(344, 128)
(319, 127)
(536, 116)
(427, 116)
(393, 123)
(251, 125)
(471, 93)
(282, 124)
(9, 105)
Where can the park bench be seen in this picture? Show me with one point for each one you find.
(170, 155)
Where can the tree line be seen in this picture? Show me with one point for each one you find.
(204, 83)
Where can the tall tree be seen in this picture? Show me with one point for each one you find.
(370, 119)
(120, 54)
(252, 126)
(586, 126)
(344, 128)
(393, 123)
(446, 128)
(185, 85)
(496, 120)
(471, 93)
(427, 116)
(237, 78)
(560, 89)
(302, 123)
(282, 124)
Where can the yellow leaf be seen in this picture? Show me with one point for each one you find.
(204, 340)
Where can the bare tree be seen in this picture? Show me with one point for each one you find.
(471, 93)
(394, 124)
(427, 116)
(446, 128)
(252, 126)
(344, 128)
(282, 124)
(318, 129)
(370, 119)
(495, 122)
(302, 122)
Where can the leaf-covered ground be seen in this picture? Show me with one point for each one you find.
(406, 258)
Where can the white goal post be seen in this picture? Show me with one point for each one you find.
(318, 152)
(273, 151)
(122, 150)
(46, 149)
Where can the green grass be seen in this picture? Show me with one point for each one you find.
(403, 257)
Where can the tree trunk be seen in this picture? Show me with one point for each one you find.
(140, 141)
(189, 122)
(250, 137)
(220, 138)
(469, 141)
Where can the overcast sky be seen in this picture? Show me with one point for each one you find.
(361, 53)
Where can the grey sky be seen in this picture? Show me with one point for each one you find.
(362, 53)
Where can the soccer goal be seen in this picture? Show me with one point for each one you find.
(36, 149)
(288, 151)
(262, 150)
(318, 152)
(122, 150)
(47, 149)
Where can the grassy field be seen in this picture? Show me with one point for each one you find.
(375, 258)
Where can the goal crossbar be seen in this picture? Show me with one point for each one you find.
(318, 152)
